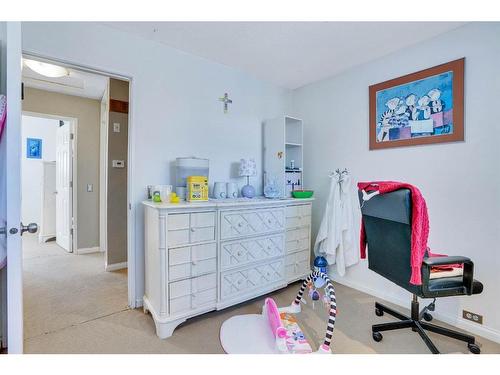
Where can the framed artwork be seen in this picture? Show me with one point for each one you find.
(33, 148)
(419, 108)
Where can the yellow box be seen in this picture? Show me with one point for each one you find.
(197, 187)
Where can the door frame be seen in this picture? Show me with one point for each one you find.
(133, 300)
(73, 122)
(103, 173)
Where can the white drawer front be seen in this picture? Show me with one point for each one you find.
(251, 222)
(297, 264)
(298, 210)
(234, 283)
(190, 228)
(203, 219)
(239, 253)
(202, 234)
(298, 216)
(187, 295)
(191, 261)
(297, 239)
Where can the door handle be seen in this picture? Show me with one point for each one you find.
(30, 228)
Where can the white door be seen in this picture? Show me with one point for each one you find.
(10, 188)
(64, 217)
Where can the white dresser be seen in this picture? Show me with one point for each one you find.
(210, 255)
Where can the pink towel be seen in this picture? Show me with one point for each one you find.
(419, 225)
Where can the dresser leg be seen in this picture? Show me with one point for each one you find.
(165, 330)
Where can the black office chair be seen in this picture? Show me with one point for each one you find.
(387, 223)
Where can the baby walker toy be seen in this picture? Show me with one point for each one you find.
(276, 330)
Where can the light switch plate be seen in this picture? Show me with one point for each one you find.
(118, 163)
(90, 188)
(116, 127)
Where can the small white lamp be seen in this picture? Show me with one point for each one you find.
(248, 168)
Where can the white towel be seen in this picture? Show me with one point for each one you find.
(336, 239)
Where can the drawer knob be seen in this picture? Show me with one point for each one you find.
(238, 253)
(194, 262)
(269, 248)
(270, 221)
(240, 224)
(193, 229)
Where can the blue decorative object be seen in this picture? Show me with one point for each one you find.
(33, 148)
(248, 167)
(320, 264)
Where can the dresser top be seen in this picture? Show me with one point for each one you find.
(220, 203)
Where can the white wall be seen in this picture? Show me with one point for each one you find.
(460, 181)
(174, 105)
(32, 169)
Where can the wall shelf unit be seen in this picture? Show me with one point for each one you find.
(283, 146)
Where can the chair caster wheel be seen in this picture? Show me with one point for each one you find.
(474, 349)
(427, 317)
(377, 336)
(379, 312)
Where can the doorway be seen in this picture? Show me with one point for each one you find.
(47, 165)
(72, 276)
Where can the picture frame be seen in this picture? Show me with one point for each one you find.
(33, 148)
(424, 107)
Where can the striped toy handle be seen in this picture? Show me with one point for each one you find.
(325, 347)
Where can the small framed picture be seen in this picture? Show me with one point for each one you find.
(420, 108)
(34, 148)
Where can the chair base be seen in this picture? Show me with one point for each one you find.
(417, 325)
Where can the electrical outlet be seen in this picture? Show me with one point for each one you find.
(473, 317)
(116, 127)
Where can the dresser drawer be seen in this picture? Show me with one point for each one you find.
(297, 239)
(242, 252)
(191, 261)
(191, 294)
(297, 264)
(190, 228)
(251, 222)
(252, 279)
(298, 216)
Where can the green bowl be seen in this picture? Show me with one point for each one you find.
(302, 194)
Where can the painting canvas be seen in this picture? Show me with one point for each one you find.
(420, 108)
(34, 148)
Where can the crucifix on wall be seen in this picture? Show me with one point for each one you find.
(225, 99)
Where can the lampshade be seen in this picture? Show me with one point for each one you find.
(248, 167)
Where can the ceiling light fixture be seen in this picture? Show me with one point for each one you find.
(45, 69)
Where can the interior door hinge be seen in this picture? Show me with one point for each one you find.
(72, 136)
(22, 90)
(71, 184)
(71, 231)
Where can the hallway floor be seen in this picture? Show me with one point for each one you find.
(73, 306)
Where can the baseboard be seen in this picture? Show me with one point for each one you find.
(116, 266)
(87, 250)
(483, 331)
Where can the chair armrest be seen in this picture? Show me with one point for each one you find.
(442, 261)
(468, 267)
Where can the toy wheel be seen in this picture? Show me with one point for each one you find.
(378, 312)
(474, 349)
(377, 336)
(427, 317)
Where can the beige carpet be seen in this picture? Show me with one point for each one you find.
(73, 306)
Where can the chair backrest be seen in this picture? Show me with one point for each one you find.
(387, 222)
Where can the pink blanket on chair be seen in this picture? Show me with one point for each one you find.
(419, 225)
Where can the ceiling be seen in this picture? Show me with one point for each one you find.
(77, 83)
(288, 54)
